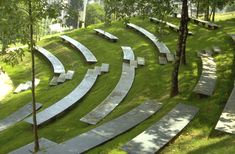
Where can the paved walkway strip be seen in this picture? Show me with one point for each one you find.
(84, 50)
(17, 116)
(163, 131)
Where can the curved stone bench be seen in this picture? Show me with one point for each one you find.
(207, 81)
(106, 35)
(207, 24)
(69, 100)
(17, 116)
(106, 131)
(58, 67)
(163, 49)
(84, 50)
(118, 93)
(163, 131)
(226, 122)
(170, 25)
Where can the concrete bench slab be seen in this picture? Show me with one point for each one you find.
(58, 67)
(68, 101)
(107, 131)
(106, 35)
(207, 24)
(114, 98)
(28, 149)
(128, 54)
(17, 116)
(170, 25)
(207, 81)
(226, 122)
(159, 134)
(162, 48)
(84, 50)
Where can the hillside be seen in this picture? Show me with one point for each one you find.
(152, 81)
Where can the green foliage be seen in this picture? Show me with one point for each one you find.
(125, 9)
(95, 14)
(73, 10)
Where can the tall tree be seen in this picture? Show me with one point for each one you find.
(19, 19)
(180, 49)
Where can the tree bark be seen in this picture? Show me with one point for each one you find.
(198, 7)
(213, 13)
(35, 127)
(185, 36)
(181, 45)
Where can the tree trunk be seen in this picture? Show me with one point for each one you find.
(213, 13)
(185, 36)
(35, 127)
(181, 45)
(198, 7)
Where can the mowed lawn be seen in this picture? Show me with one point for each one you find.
(152, 81)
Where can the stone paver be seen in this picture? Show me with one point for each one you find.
(163, 131)
(84, 50)
(170, 57)
(105, 68)
(61, 78)
(226, 121)
(56, 64)
(106, 35)
(17, 116)
(114, 98)
(107, 131)
(65, 103)
(28, 149)
(53, 81)
(162, 60)
(26, 86)
(141, 61)
(69, 75)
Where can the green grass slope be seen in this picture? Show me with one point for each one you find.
(152, 81)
